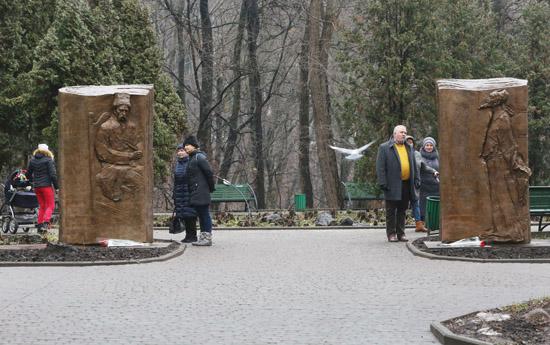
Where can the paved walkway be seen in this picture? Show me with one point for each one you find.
(260, 287)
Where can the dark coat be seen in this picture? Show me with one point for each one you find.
(181, 194)
(201, 179)
(430, 185)
(41, 171)
(422, 169)
(388, 171)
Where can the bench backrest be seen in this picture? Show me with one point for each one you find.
(359, 191)
(539, 197)
(235, 192)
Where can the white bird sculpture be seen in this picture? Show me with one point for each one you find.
(352, 154)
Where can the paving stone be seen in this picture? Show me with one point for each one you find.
(260, 287)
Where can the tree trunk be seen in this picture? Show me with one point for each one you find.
(253, 28)
(180, 56)
(304, 140)
(232, 136)
(320, 34)
(218, 137)
(207, 77)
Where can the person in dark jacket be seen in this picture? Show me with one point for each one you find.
(201, 184)
(41, 171)
(397, 177)
(182, 196)
(422, 169)
(430, 181)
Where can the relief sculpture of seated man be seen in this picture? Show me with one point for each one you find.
(118, 148)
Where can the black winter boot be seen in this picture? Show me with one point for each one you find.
(190, 230)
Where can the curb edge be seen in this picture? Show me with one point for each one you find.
(412, 248)
(179, 251)
(446, 337)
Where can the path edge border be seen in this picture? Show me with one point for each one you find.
(177, 252)
(412, 248)
(446, 337)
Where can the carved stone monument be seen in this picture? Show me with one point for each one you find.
(106, 163)
(483, 159)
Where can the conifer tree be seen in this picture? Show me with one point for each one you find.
(111, 43)
(396, 52)
(22, 24)
(533, 48)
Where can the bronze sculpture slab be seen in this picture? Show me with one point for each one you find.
(483, 159)
(106, 163)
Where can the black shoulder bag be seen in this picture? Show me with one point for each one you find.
(174, 225)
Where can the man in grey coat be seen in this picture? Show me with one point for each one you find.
(397, 176)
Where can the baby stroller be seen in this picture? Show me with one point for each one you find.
(19, 208)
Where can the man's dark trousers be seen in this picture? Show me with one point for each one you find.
(396, 210)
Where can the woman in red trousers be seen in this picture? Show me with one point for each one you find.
(42, 173)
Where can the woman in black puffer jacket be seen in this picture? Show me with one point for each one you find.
(41, 171)
(182, 196)
(201, 184)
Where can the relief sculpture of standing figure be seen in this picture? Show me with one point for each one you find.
(508, 175)
(119, 149)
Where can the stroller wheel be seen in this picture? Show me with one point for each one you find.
(12, 226)
(4, 224)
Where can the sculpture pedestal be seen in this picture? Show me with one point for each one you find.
(106, 163)
(483, 159)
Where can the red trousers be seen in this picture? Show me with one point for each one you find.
(46, 200)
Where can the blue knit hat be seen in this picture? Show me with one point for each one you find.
(179, 147)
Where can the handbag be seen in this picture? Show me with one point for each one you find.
(174, 225)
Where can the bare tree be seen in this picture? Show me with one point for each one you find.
(304, 139)
(233, 122)
(256, 101)
(321, 21)
(207, 77)
(180, 55)
(238, 133)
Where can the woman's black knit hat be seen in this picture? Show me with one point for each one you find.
(191, 140)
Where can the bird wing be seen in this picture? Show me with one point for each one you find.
(363, 148)
(339, 149)
(353, 156)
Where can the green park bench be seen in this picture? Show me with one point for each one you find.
(539, 206)
(235, 193)
(357, 191)
(539, 203)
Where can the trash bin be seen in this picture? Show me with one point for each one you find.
(432, 213)
(299, 202)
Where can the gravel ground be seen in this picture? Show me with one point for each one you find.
(492, 252)
(526, 323)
